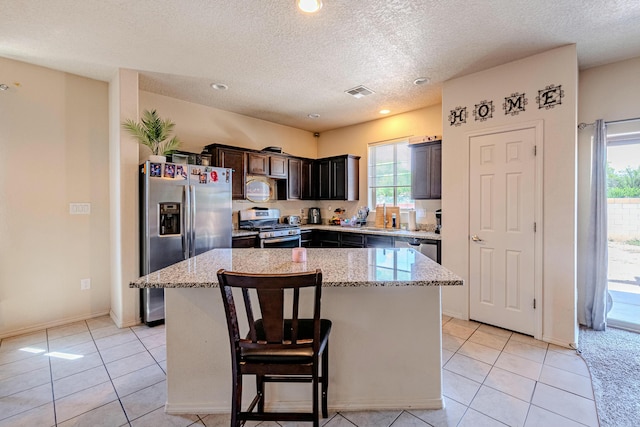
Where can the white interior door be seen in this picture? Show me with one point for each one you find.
(502, 201)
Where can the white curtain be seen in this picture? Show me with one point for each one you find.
(597, 253)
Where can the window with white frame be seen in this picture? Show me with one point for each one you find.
(390, 175)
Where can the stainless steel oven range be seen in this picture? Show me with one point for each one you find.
(271, 233)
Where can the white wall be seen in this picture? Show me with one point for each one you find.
(609, 92)
(558, 67)
(54, 144)
(123, 169)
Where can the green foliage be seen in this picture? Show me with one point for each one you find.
(634, 242)
(623, 184)
(153, 132)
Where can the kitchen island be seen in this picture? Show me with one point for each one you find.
(385, 344)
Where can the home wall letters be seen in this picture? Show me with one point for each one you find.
(514, 104)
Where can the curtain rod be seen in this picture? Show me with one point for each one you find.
(612, 122)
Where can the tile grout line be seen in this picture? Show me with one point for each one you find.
(110, 378)
(53, 392)
(537, 381)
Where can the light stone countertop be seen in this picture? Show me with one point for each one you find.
(340, 268)
(363, 230)
(379, 231)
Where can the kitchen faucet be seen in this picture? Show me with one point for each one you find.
(385, 221)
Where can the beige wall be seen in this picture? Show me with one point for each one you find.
(558, 66)
(609, 92)
(54, 143)
(355, 139)
(199, 125)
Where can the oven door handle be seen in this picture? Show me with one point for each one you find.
(271, 240)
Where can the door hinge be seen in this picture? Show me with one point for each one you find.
(535, 227)
(535, 150)
(534, 303)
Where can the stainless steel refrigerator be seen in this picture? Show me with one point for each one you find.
(185, 210)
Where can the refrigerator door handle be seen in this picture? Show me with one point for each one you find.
(185, 222)
(192, 219)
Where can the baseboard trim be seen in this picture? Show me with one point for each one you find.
(40, 326)
(383, 405)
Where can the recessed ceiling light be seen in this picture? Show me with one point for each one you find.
(309, 6)
(421, 81)
(4, 86)
(385, 111)
(314, 116)
(219, 86)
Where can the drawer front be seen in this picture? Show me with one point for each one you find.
(353, 239)
(379, 241)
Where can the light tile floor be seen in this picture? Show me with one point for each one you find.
(91, 373)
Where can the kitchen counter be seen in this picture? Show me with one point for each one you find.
(340, 268)
(385, 344)
(429, 235)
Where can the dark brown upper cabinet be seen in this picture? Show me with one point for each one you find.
(338, 178)
(235, 160)
(257, 164)
(278, 167)
(426, 170)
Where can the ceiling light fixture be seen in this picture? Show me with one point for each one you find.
(421, 80)
(219, 86)
(4, 86)
(385, 111)
(309, 6)
(314, 116)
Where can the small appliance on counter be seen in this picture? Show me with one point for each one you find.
(361, 218)
(438, 221)
(314, 216)
(292, 220)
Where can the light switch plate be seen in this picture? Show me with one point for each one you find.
(80, 208)
(85, 284)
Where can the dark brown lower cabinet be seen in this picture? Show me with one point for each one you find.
(244, 242)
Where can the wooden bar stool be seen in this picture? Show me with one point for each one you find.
(276, 348)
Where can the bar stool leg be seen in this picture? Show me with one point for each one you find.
(325, 380)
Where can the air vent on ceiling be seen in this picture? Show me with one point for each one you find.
(359, 92)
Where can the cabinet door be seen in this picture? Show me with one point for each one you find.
(234, 159)
(294, 180)
(308, 180)
(435, 171)
(339, 179)
(426, 171)
(352, 240)
(258, 164)
(324, 179)
(278, 167)
(244, 242)
(373, 241)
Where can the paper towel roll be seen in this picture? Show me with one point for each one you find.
(412, 220)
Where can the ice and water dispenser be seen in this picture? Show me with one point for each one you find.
(169, 218)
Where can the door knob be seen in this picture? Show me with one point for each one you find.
(475, 238)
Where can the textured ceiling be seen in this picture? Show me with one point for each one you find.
(280, 65)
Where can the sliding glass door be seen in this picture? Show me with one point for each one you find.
(623, 193)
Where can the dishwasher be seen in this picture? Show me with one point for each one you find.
(428, 247)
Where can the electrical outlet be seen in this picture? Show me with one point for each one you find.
(85, 284)
(301, 211)
(329, 208)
